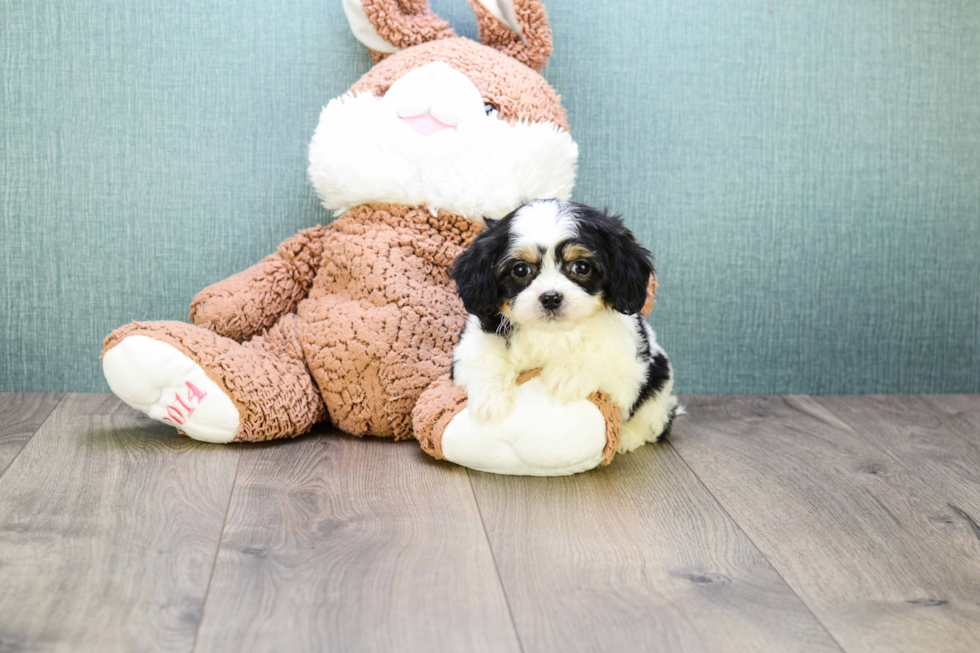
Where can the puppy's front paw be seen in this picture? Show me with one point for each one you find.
(491, 403)
(568, 383)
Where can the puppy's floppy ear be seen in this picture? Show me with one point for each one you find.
(627, 264)
(475, 270)
(629, 272)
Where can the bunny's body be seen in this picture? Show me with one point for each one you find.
(350, 321)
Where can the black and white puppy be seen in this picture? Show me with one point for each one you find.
(560, 285)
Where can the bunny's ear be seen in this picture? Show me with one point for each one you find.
(518, 28)
(386, 26)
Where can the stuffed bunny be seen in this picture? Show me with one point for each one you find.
(354, 321)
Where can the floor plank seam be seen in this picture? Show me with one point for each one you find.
(54, 409)
(217, 549)
(775, 569)
(898, 461)
(493, 557)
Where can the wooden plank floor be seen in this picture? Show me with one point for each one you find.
(765, 524)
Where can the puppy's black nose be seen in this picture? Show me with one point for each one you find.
(551, 300)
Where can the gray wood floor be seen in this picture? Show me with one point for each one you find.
(765, 524)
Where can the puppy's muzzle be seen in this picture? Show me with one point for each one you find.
(551, 301)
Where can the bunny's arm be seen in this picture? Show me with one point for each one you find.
(246, 303)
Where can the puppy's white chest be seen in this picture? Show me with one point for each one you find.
(605, 347)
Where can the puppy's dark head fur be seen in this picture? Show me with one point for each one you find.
(552, 263)
(476, 275)
(625, 265)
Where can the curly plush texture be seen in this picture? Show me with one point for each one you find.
(517, 91)
(377, 325)
(251, 301)
(436, 407)
(614, 424)
(382, 317)
(404, 23)
(534, 48)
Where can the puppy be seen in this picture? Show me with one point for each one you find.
(560, 285)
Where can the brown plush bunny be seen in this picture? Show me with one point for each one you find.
(353, 321)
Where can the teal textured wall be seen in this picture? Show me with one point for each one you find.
(807, 173)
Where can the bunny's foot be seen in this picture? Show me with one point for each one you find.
(540, 437)
(213, 388)
(160, 380)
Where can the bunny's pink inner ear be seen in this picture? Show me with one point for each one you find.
(386, 26)
(518, 28)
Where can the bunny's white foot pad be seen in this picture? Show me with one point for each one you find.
(540, 437)
(157, 379)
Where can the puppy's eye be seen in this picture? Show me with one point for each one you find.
(490, 108)
(581, 268)
(521, 270)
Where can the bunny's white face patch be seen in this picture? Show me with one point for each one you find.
(430, 139)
